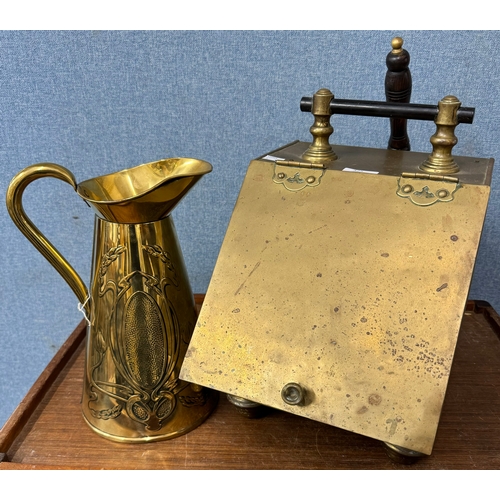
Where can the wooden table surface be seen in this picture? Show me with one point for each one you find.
(47, 430)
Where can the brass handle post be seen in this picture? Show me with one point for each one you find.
(440, 160)
(33, 234)
(320, 149)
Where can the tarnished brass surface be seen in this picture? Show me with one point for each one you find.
(348, 290)
(140, 307)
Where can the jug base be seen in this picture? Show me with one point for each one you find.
(176, 427)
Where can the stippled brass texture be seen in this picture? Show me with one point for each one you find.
(140, 307)
(348, 290)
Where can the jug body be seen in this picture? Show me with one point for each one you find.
(142, 315)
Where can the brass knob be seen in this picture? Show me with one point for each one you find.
(293, 394)
(397, 45)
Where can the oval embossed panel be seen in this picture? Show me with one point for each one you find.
(145, 340)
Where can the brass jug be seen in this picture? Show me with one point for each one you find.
(140, 307)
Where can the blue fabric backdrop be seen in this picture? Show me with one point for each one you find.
(98, 102)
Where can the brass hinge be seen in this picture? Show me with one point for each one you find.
(426, 189)
(290, 174)
(304, 164)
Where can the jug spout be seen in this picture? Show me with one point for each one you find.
(145, 193)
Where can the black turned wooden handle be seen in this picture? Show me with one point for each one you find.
(387, 109)
(398, 89)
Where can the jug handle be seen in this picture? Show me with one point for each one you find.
(41, 243)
